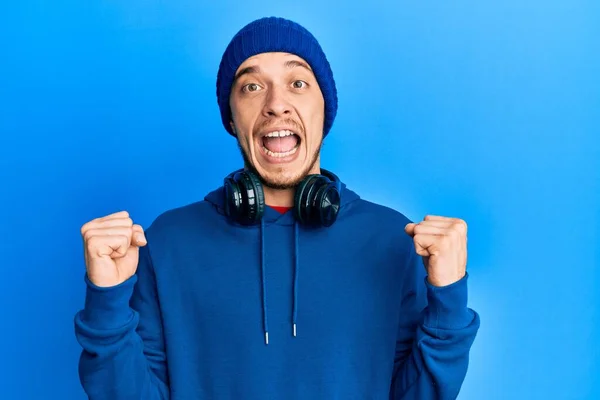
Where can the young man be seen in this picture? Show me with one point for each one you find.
(283, 283)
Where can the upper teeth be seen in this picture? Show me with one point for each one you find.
(279, 133)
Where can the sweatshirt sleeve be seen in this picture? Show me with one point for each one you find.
(434, 339)
(120, 331)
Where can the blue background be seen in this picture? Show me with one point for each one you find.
(488, 111)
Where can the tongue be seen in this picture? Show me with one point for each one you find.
(280, 144)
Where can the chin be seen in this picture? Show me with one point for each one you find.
(280, 174)
(280, 158)
(281, 180)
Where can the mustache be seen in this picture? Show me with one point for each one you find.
(285, 122)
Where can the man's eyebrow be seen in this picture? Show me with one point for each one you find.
(254, 69)
(296, 63)
(248, 70)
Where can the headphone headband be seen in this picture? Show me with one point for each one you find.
(316, 201)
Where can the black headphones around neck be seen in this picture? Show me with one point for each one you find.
(316, 202)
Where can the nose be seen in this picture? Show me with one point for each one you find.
(276, 105)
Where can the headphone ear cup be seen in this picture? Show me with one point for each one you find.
(305, 198)
(252, 197)
(327, 204)
(299, 199)
(233, 199)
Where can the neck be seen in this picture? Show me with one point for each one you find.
(279, 198)
(285, 197)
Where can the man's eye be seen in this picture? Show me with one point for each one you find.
(251, 87)
(300, 84)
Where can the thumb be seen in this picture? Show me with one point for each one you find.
(422, 248)
(138, 238)
(424, 244)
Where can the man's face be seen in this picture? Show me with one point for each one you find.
(278, 113)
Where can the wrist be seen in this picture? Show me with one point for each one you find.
(447, 305)
(108, 307)
(443, 281)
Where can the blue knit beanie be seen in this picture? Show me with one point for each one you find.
(275, 34)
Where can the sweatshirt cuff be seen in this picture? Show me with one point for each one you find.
(108, 307)
(447, 305)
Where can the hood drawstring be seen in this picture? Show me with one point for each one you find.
(296, 269)
(264, 280)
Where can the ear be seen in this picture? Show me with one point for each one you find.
(232, 127)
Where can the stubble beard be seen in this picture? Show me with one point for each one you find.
(280, 184)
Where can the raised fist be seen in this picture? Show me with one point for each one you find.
(111, 248)
(442, 242)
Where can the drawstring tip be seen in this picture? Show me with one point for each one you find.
(266, 337)
(294, 330)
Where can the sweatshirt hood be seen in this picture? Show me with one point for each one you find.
(272, 216)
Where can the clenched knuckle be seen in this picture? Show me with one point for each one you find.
(88, 234)
(92, 241)
(457, 228)
(84, 228)
(419, 229)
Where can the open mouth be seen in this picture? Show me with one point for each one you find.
(280, 144)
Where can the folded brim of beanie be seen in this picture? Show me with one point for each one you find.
(275, 34)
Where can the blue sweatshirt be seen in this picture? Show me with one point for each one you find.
(347, 311)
